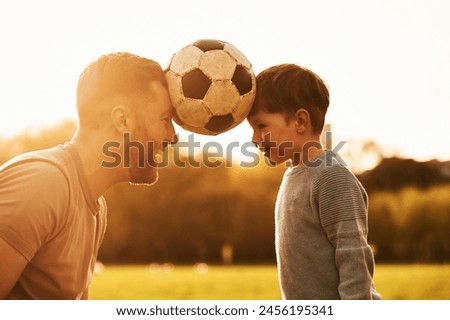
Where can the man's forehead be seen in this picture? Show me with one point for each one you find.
(157, 86)
(160, 94)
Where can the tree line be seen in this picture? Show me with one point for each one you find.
(197, 214)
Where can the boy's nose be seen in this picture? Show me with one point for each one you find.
(256, 140)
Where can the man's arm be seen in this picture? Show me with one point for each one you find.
(12, 265)
(30, 196)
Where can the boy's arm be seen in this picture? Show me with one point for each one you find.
(342, 208)
(354, 258)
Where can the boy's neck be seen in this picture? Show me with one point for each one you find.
(310, 151)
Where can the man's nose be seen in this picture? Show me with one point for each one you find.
(172, 136)
(174, 139)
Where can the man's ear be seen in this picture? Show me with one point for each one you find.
(122, 119)
(302, 120)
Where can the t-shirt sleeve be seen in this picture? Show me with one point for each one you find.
(33, 203)
(342, 206)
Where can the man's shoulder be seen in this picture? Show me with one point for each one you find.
(51, 159)
(34, 199)
(58, 155)
(42, 168)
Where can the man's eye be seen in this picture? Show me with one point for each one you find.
(261, 125)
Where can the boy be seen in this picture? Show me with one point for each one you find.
(321, 208)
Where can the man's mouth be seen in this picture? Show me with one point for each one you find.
(158, 157)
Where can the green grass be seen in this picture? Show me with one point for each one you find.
(136, 282)
(413, 282)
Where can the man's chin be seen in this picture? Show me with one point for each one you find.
(148, 184)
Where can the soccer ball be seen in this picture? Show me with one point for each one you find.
(211, 86)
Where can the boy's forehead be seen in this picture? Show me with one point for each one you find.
(253, 118)
(256, 115)
(262, 115)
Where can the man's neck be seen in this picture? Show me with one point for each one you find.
(99, 178)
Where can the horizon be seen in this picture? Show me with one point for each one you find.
(194, 151)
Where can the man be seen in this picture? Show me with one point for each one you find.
(52, 212)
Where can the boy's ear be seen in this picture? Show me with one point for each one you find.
(302, 120)
(121, 117)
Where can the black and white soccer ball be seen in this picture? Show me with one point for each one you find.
(211, 86)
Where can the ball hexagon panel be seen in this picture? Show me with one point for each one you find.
(217, 65)
(186, 59)
(175, 87)
(193, 112)
(177, 120)
(238, 55)
(242, 109)
(214, 98)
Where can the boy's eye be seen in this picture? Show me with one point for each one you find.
(261, 125)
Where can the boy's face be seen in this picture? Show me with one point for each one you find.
(275, 135)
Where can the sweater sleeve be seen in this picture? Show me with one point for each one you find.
(354, 258)
(342, 207)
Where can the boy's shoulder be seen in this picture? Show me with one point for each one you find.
(327, 163)
(330, 169)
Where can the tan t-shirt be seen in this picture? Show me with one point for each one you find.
(48, 215)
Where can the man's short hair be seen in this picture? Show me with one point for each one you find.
(112, 79)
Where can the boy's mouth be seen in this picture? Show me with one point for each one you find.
(266, 151)
(264, 148)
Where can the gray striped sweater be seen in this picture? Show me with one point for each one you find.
(321, 233)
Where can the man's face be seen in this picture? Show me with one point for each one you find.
(274, 135)
(154, 130)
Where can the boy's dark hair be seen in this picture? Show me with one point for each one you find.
(287, 88)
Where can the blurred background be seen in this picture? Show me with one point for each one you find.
(386, 63)
(225, 214)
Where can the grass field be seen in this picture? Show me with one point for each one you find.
(139, 282)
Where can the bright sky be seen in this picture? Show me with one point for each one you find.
(387, 62)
